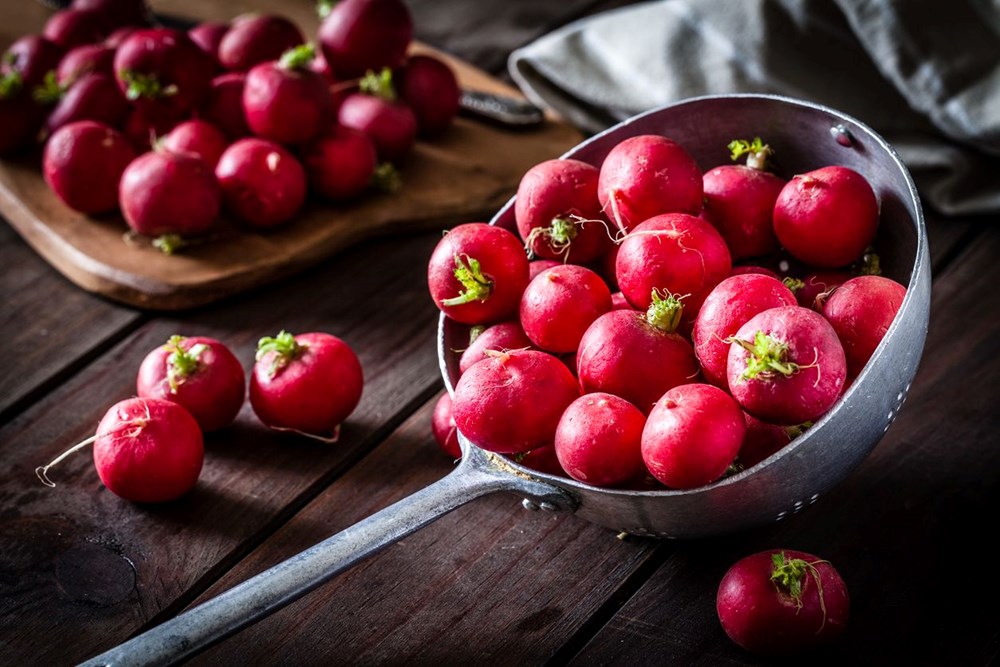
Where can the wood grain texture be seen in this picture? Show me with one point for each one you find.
(77, 557)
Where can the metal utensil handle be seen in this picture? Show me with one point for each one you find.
(508, 111)
(478, 474)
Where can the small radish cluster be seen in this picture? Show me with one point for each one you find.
(613, 339)
(150, 448)
(246, 117)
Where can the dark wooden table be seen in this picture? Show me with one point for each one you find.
(81, 570)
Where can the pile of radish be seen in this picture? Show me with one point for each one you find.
(649, 325)
(246, 117)
(150, 448)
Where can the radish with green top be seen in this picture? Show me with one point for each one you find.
(340, 164)
(376, 112)
(30, 57)
(287, 102)
(308, 384)
(91, 97)
(477, 273)
(739, 200)
(263, 184)
(598, 440)
(861, 311)
(560, 303)
(692, 435)
(786, 365)
(199, 373)
(358, 36)
(645, 176)
(637, 355)
(781, 602)
(255, 39)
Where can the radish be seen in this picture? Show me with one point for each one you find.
(75, 27)
(511, 402)
(20, 117)
(199, 138)
(224, 106)
(636, 355)
(119, 12)
(501, 337)
(692, 436)
(826, 217)
(477, 273)
(263, 185)
(645, 176)
(162, 71)
(85, 59)
(361, 35)
(93, 97)
(739, 201)
(753, 268)
(254, 40)
(619, 302)
(786, 365)
(309, 383)
(208, 36)
(536, 266)
(763, 439)
(444, 429)
(598, 440)
(560, 303)
(115, 39)
(558, 214)
(861, 311)
(780, 602)
(429, 87)
(146, 450)
(676, 253)
(391, 125)
(812, 290)
(32, 57)
(144, 125)
(340, 164)
(164, 193)
(726, 308)
(83, 163)
(541, 459)
(198, 373)
(285, 101)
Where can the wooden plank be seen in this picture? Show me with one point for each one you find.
(901, 529)
(489, 583)
(77, 561)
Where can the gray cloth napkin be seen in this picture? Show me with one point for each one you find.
(923, 73)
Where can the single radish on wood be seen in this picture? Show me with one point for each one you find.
(340, 164)
(199, 138)
(309, 383)
(429, 87)
(93, 97)
(252, 40)
(376, 112)
(358, 36)
(224, 106)
(163, 72)
(83, 163)
(263, 184)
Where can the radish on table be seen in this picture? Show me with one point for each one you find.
(263, 184)
(93, 97)
(224, 105)
(199, 138)
(340, 164)
(429, 87)
(379, 115)
(83, 163)
(358, 36)
(252, 40)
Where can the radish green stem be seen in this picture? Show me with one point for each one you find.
(794, 284)
(558, 235)
(324, 7)
(10, 84)
(139, 85)
(789, 574)
(477, 286)
(42, 470)
(286, 349)
(386, 177)
(168, 244)
(757, 152)
(665, 312)
(297, 57)
(767, 357)
(49, 92)
(379, 84)
(181, 363)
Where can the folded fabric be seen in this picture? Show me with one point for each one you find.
(923, 73)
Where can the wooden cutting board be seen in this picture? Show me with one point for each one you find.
(463, 176)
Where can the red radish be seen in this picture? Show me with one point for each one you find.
(143, 127)
(389, 124)
(739, 201)
(812, 290)
(115, 39)
(340, 164)
(728, 307)
(224, 107)
(208, 36)
(826, 217)
(198, 373)
(498, 337)
(83, 164)
(165, 193)
(619, 302)
(74, 27)
(93, 97)
(676, 253)
(511, 402)
(161, 70)
(558, 213)
(780, 602)
(692, 436)
(20, 117)
(541, 459)
(309, 383)
(119, 12)
(645, 176)
(361, 35)
(536, 266)
(32, 57)
(430, 88)
(85, 59)
(257, 39)
(198, 138)
(558, 306)
(287, 102)
(636, 355)
(477, 273)
(146, 450)
(598, 439)
(263, 184)
(752, 268)
(444, 429)
(786, 365)
(861, 311)
(763, 439)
